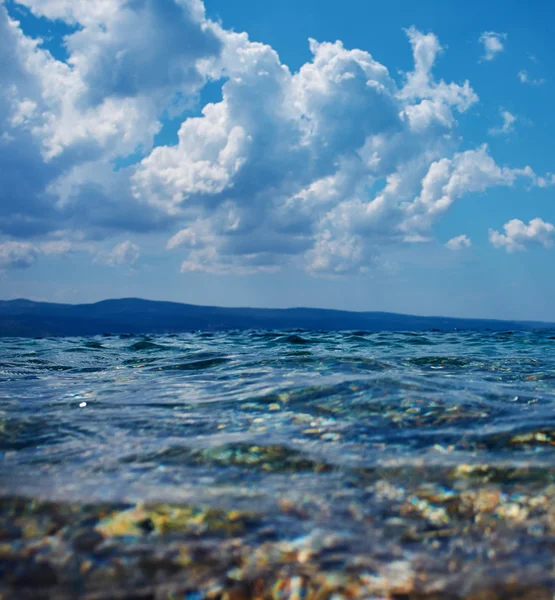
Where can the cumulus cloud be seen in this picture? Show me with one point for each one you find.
(525, 78)
(288, 158)
(508, 125)
(459, 243)
(120, 45)
(63, 123)
(548, 180)
(17, 255)
(21, 255)
(56, 248)
(319, 168)
(450, 179)
(125, 253)
(493, 44)
(518, 235)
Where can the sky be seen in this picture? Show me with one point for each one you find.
(359, 155)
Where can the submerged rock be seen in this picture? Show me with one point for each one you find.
(426, 543)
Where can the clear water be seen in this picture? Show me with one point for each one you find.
(359, 434)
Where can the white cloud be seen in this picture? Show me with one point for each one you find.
(17, 255)
(459, 243)
(421, 84)
(56, 248)
(493, 43)
(450, 179)
(518, 235)
(318, 168)
(287, 161)
(508, 125)
(545, 181)
(279, 170)
(335, 255)
(24, 254)
(129, 63)
(125, 253)
(524, 77)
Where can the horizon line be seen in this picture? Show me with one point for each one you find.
(270, 308)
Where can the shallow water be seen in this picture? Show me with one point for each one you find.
(365, 436)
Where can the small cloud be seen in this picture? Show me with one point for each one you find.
(493, 44)
(525, 78)
(508, 126)
(544, 182)
(459, 243)
(56, 248)
(21, 255)
(124, 253)
(518, 235)
(17, 255)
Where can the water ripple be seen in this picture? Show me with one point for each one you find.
(174, 409)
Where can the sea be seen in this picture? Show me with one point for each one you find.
(278, 464)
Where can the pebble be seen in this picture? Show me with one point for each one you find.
(9, 532)
(87, 540)
(36, 574)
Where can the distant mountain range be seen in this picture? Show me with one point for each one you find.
(26, 318)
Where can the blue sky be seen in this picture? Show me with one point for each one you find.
(368, 156)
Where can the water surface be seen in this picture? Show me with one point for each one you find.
(403, 449)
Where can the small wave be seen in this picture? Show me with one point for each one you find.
(443, 362)
(294, 339)
(145, 345)
(195, 365)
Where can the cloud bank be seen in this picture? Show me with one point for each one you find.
(320, 168)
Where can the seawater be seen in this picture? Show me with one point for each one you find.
(404, 448)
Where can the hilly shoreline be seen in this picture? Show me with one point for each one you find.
(26, 318)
